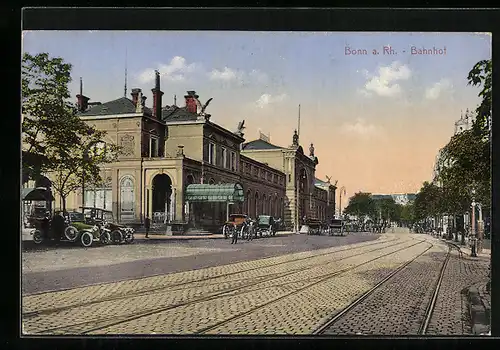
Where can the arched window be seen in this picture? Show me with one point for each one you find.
(127, 198)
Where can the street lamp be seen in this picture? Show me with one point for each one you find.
(473, 252)
(342, 191)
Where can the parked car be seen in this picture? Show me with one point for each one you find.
(119, 233)
(266, 225)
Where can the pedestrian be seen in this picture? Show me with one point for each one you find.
(147, 225)
(234, 236)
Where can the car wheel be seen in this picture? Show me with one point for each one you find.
(129, 238)
(86, 239)
(37, 237)
(116, 236)
(105, 237)
(71, 233)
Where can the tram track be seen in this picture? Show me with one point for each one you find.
(318, 281)
(177, 286)
(102, 323)
(322, 329)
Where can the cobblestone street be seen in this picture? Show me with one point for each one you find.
(298, 291)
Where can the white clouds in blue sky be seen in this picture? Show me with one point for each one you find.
(386, 81)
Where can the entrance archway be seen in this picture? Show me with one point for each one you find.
(161, 201)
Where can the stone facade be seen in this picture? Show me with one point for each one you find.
(164, 151)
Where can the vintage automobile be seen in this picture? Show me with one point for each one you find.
(237, 224)
(266, 226)
(58, 228)
(104, 218)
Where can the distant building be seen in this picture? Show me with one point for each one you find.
(402, 199)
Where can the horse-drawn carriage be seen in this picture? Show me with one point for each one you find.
(315, 226)
(237, 224)
(336, 227)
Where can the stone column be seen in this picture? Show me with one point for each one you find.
(172, 206)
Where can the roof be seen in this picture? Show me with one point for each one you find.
(321, 182)
(122, 105)
(177, 114)
(259, 144)
(232, 192)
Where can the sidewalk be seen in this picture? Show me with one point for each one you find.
(466, 249)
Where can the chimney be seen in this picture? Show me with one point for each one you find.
(82, 101)
(191, 104)
(157, 94)
(135, 95)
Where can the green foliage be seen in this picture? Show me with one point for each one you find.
(481, 75)
(387, 209)
(428, 201)
(55, 139)
(408, 213)
(361, 204)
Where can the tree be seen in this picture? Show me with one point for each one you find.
(387, 209)
(361, 204)
(427, 202)
(408, 214)
(481, 75)
(82, 164)
(55, 139)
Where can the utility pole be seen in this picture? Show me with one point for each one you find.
(342, 191)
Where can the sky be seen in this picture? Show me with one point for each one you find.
(376, 119)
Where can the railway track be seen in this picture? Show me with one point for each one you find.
(430, 306)
(177, 286)
(102, 323)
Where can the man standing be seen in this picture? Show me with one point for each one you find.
(147, 224)
(234, 238)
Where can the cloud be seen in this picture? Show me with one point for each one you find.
(176, 70)
(433, 92)
(226, 74)
(384, 82)
(267, 99)
(360, 127)
(238, 76)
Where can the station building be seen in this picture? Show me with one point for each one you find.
(176, 165)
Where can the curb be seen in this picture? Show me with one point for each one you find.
(192, 238)
(478, 312)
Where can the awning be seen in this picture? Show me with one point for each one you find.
(36, 194)
(214, 193)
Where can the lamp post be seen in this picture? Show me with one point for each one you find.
(342, 191)
(473, 252)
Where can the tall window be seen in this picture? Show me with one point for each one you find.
(233, 161)
(211, 153)
(153, 146)
(224, 157)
